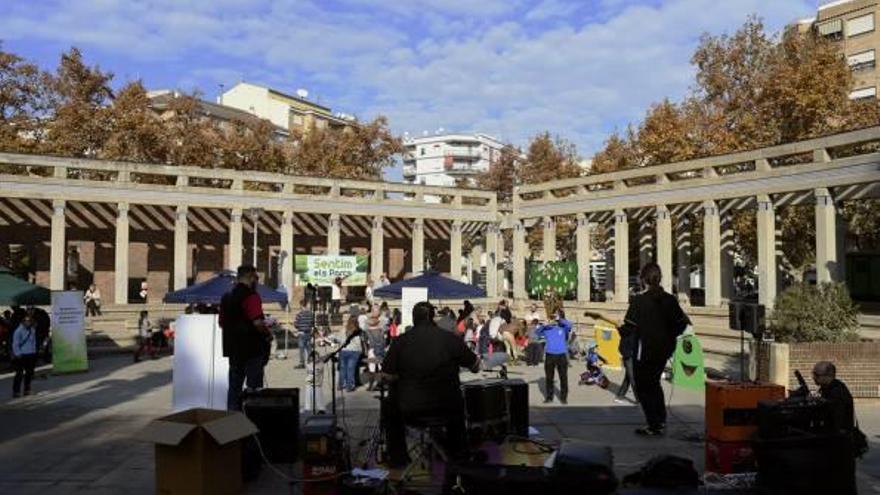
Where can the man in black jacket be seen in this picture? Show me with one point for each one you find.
(423, 366)
(246, 339)
(656, 319)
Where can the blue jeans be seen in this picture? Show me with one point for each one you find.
(239, 372)
(303, 344)
(348, 361)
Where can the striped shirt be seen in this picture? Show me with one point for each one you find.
(305, 321)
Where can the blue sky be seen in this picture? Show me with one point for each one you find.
(510, 68)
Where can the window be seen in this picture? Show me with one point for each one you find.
(861, 61)
(858, 94)
(831, 29)
(422, 151)
(860, 25)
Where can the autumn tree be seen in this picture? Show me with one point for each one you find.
(191, 138)
(549, 158)
(78, 125)
(134, 131)
(23, 102)
(619, 153)
(359, 151)
(253, 145)
(502, 174)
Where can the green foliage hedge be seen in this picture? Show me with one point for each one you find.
(815, 313)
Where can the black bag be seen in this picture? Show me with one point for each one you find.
(665, 471)
(859, 442)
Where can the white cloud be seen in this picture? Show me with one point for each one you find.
(507, 68)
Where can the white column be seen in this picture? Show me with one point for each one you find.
(181, 247)
(827, 268)
(728, 252)
(455, 250)
(766, 252)
(712, 253)
(491, 260)
(549, 239)
(683, 266)
(235, 241)
(377, 249)
(664, 246)
(120, 269)
(418, 246)
(621, 257)
(584, 255)
(58, 249)
(646, 243)
(287, 253)
(333, 234)
(519, 260)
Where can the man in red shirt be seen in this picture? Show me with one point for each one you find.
(246, 338)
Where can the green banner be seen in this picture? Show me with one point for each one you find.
(560, 275)
(323, 270)
(687, 363)
(68, 332)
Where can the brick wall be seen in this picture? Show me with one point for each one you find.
(858, 364)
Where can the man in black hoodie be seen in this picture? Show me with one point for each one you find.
(656, 319)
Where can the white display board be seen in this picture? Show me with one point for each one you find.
(409, 297)
(201, 373)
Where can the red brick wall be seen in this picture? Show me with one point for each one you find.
(858, 364)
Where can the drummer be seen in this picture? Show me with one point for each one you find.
(423, 365)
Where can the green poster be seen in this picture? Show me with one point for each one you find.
(68, 332)
(688, 370)
(560, 275)
(323, 270)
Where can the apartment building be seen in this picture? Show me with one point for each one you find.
(852, 24)
(438, 160)
(292, 112)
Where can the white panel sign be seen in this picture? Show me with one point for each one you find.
(409, 297)
(201, 373)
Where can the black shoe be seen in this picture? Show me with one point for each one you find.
(548, 400)
(563, 401)
(649, 431)
(300, 367)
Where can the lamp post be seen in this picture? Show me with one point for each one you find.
(254, 213)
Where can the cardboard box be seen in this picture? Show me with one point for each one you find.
(198, 451)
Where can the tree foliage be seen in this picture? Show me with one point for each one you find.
(23, 101)
(751, 90)
(357, 152)
(502, 174)
(810, 313)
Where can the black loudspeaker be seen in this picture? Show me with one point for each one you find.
(275, 412)
(748, 317)
(794, 418)
(467, 478)
(583, 468)
(812, 464)
(517, 406)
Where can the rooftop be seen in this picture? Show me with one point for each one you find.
(161, 99)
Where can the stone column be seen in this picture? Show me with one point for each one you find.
(455, 250)
(120, 269)
(827, 268)
(235, 241)
(621, 257)
(476, 263)
(683, 251)
(549, 239)
(664, 246)
(712, 253)
(491, 260)
(333, 234)
(287, 253)
(584, 255)
(609, 261)
(728, 250)
(766, 252)
(58, 249)
(519, 260)
(377, 249)
(646, 243)
(181, 247)
(418, 246)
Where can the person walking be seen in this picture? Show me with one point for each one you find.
(626, 347)
(304, 324)
(92, 298)
(246, 337)
(24, 355)
(656, 319)
(556, 355)
(145, 336)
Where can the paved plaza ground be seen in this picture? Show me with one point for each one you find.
(75, 434)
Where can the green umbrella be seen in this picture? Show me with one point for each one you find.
(14, 290)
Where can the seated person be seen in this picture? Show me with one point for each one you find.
(423, 366)
(841, 467)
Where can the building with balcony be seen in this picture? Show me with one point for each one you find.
(295, 113)
(852, 25)
(440, 160)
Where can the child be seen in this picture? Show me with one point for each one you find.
(594, 374)
(145, 337)
(324, 346)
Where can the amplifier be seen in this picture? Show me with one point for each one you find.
(732, 408)
(275, 412)
(793, 418)
(322, 455)
(517, 406)
(806, 464)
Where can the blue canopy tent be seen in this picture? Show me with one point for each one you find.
(212, 290)
(439, 287)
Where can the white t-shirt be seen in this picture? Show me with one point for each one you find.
(335, 292)
(495, 327)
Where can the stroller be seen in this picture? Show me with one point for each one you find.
(594, 374)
